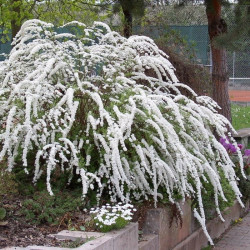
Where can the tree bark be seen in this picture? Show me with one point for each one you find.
(15, 22)
(14, 29)
(216, 27)
(128, 20)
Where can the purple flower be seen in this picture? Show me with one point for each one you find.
(223, 141)
(228, 146)
(232, 148)
(247, 152)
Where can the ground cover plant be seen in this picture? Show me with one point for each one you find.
(43, 208)
(240, 116)
(109, 112)
(110, 217)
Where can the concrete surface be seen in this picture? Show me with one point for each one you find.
(123, 239)
(237, 238)
(215, 227)
(149, 242)
(158, 222)
(75, 235)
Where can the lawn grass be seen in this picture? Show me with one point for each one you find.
(240, 116)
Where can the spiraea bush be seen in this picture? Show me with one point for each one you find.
(109, 110)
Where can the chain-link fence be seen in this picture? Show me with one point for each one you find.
(238, 51)
(191, 23)
(239, 67)
(192, 39)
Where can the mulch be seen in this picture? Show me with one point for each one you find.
(18, 232)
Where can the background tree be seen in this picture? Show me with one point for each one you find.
(130, 9)
(237, 17)
(14, 12)
(216, 27)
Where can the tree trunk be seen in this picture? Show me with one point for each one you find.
(14, 29)
(216, 27)
(220, 81)
(128, 20)
(15, 22)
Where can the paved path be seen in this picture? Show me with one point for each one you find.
(239, 95)
(237, 238)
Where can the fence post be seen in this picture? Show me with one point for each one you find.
(233, 66)
(211, 61)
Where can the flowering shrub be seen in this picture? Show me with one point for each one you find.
(246, 157)
(110, 217)
(232, 149)
(243, 183)
(109, 110)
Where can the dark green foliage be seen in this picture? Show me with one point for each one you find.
(91, 199)
(2, 213)
(237, 18)
(43, 208)
(8, 184)
(208, 197)
(136, 7)
(207, 248)
(244, 186)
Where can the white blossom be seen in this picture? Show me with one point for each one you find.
(73, 102)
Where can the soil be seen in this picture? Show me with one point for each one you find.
(18, 232)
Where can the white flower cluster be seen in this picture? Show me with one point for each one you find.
(110, 110)
(108, 215)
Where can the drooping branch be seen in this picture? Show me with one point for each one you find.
(109, 110)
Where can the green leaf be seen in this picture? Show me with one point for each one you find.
(2, 213)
